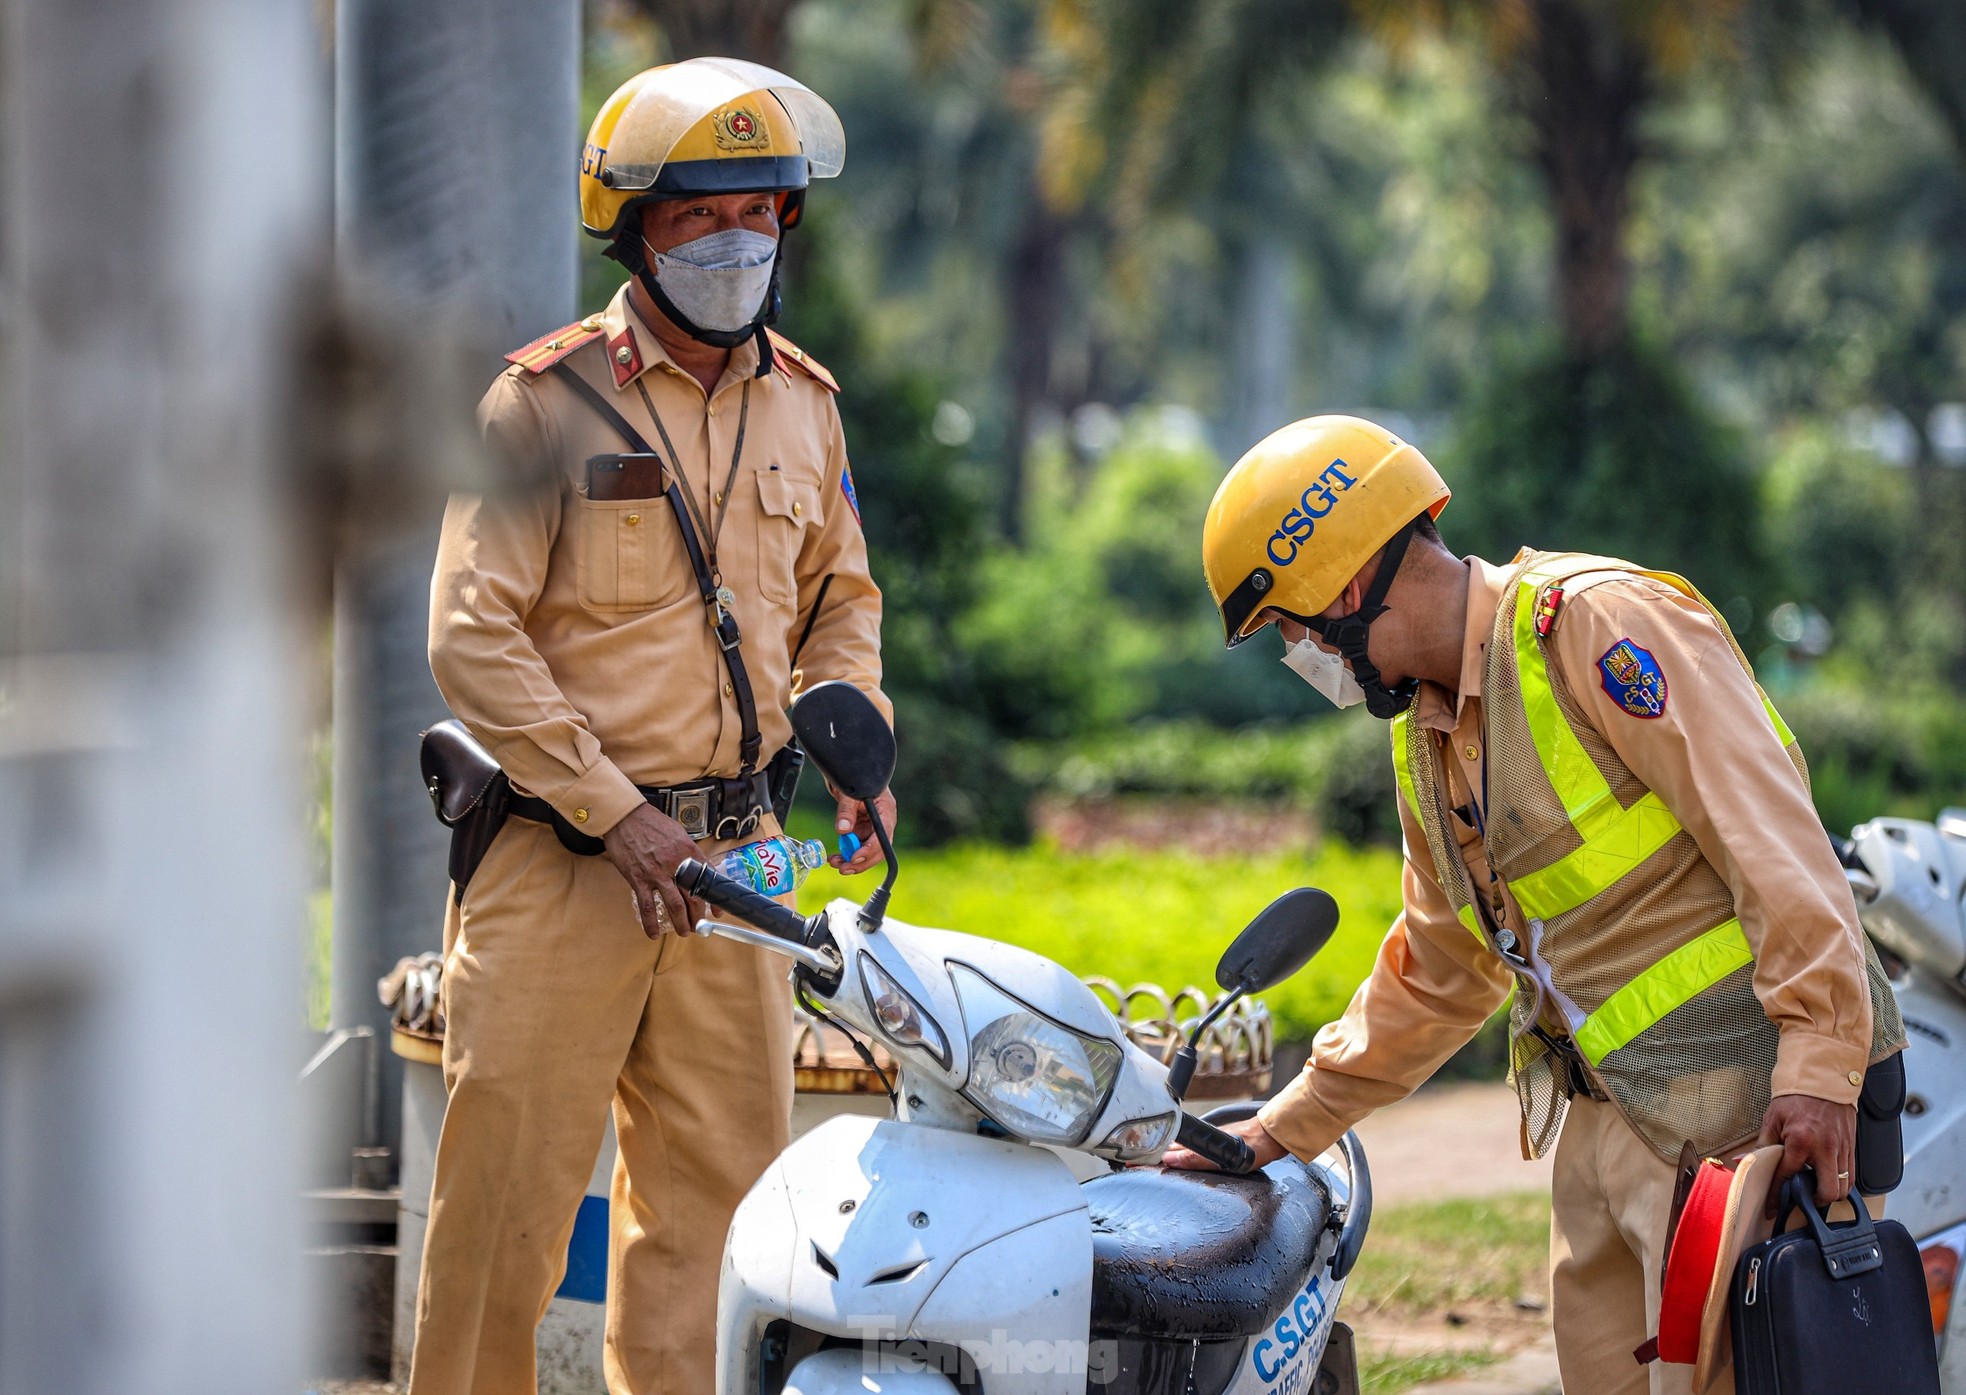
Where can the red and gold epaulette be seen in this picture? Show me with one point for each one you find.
(798, 358)
(549, 349)
(1548, 602)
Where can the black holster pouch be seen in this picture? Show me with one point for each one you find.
(782, 773)
(1880, 1127)
(472, 796)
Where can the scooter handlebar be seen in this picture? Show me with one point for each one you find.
(707, 884)
(1223, 1149)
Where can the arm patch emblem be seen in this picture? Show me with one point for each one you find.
(846, 488)
(1633, 679)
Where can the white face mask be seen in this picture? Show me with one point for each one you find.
(1324, 671)
(718, 282)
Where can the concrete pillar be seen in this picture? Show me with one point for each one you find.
(155, 205)
(456, 145)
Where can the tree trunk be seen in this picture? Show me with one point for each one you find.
(1582, 84)
(749, 29)
(1036, 282)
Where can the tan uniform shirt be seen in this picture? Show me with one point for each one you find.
(569, 635)
(1716, 762)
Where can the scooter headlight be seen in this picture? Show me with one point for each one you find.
(901, 1018)
(1041, 1081)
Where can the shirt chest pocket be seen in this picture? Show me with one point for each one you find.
(787, 505)
(628, 554)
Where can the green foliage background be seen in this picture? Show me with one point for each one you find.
(1782, 418)
(1161, 917)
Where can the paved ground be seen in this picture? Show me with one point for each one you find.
(1459, 1140)
(1450, 1140)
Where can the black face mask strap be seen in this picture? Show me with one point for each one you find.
(1348, 634)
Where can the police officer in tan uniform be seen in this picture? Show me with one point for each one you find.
(1600, 808)
(634, 695)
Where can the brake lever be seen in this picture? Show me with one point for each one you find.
(823, 960)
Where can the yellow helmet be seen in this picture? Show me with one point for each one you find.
(705, 126)
(1300, 515)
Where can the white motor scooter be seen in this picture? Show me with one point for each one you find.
(941, 1251)
(1909, 878)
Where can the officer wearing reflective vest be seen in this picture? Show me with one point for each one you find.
(622, 642)
(1601, 809)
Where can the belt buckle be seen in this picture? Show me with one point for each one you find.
(691, 809)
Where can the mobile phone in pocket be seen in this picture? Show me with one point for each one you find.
(634, 476)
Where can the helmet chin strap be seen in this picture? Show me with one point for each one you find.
(1349, 633)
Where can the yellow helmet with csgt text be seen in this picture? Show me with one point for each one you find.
(1302, 513)
(705, 126)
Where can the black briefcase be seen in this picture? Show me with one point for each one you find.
(1832, 1309)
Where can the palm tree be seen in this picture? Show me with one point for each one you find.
(1579, 74)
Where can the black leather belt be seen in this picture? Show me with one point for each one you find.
(712, 808)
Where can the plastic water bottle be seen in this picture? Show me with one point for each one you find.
(773, 866)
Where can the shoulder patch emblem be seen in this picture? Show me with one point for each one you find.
(846, 488)
(549, 349)
(1633, 679)
(793, 357)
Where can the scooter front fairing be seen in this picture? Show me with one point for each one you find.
(919, 1247)
(921, 1257)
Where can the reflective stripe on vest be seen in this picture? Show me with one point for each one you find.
(1691, 969)
(1614, 840)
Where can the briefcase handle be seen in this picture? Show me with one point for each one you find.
(1848, 1249)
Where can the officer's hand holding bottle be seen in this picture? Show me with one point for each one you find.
(644, 847)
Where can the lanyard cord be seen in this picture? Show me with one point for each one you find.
(703, 525)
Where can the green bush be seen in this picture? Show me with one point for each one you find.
(1161, 917)
(924, 506)
(1872, 754)
(1338, 766)
(1877, 715)
(1611, 454)
(1101, 617)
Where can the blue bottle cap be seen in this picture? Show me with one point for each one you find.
(849, 845)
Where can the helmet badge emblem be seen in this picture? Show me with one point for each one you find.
(740, 128)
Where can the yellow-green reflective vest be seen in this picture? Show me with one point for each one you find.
(1636, 954)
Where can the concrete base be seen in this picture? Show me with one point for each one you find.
(569, 1342)
(351, 1285)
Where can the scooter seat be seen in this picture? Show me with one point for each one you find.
(1201, 1254)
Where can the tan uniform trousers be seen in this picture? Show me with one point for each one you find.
(557, 1005)
(1610, 1199)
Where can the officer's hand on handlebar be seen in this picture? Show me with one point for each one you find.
(853, 819)
(1250, 1131)
(644, 847)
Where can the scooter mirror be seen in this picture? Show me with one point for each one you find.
(844, 734)
(1278, 942)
